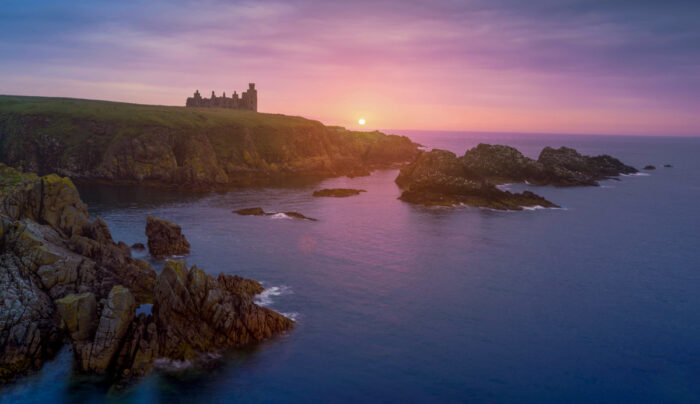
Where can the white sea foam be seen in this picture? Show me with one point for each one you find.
(536, 207)
(279, 216)
(265, 297)
(504, 187)
(636, 175)
(292, 315)
(172, 365)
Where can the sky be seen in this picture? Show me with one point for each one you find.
(552, 66)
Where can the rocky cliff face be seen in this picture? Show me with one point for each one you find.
(440, 177)
(63, 278)
(179, 147)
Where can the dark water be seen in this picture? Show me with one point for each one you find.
(597, 302)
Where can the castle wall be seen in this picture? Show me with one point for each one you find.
(247, 101)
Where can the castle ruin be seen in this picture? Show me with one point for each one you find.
(247, 101)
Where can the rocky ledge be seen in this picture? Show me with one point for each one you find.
(337, 192)
(439, 177)
(64, 279)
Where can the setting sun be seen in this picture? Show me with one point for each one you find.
(361, 121)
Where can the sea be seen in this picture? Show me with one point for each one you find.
(598, 301)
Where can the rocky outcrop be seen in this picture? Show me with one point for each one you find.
(63, 278)
(561, 167)
(165, 238)
(439, 177)
(649, 167)
(195, 312)
(337, 192)
(260, 212)
(188, 149)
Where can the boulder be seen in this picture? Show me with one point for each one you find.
(165, 238)
(337, 192)
(78, 313)
(250, 212)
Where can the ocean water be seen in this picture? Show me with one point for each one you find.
(595, 302)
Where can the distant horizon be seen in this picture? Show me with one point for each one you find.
(390, 130)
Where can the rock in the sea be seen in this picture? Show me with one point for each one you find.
(165, 238)
(195, 312)
(439, 178)
(337, 192)
(250, 212)
(650, 167)
(668, 165)
(138, 246)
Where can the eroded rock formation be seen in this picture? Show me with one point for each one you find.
(165, 238)
(63, 278)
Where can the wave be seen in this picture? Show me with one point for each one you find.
(265, 297)
(171, 364)
(292, 315)
(636, 175)
(279, 216)
(504, 187)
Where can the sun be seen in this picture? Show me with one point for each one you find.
(361, 121)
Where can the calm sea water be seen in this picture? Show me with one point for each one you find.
(596, 302)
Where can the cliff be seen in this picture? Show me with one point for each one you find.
(63, 279)
(200, 148)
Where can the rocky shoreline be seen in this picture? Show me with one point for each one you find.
(439, 177)
(65, 280)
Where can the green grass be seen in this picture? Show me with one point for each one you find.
(145, 115)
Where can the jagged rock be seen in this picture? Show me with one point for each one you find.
(565, 166)
(196, 313)
(138, 246)
(28, 326)
(165, 238)
(117, 315)
(78, 313)
(337, 192)
(61, 273)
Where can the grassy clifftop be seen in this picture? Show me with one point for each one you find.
(132, 143)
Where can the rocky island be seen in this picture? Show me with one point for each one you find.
(439, 177)
(63, 279)
(184, 147)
